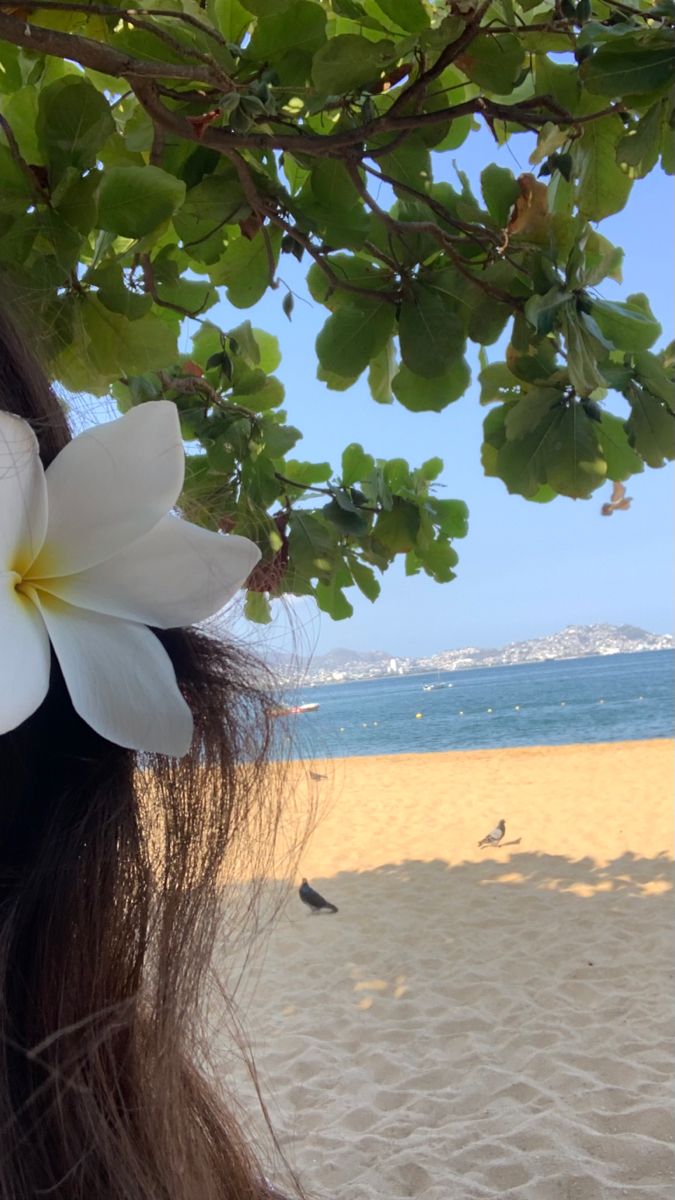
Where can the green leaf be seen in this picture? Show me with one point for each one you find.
(15, 191)
(498, 383)
(541, 311)
(418, 394)
(500, 191)
(410, 164)
(353, 336)
(431, 333)
(109, 346)
(331, 184)
(383, 368)
(493, 61)
(641, 146)
(116, 297)
(257, 608)
(483, 316)
(397, 529)
(603, 187)
(288, 39)
(650, 373)
(431, 469)
(312, 545)
(621, 459)
(347, 63)
(217, 201)
(529, 411)
(409, 15)
(438, 560)
(561, 451)
(332, 600)
(279, 439)
(626, 326)
(264, 398)
(348, 520)
(630, 67)
(364, 578)
(269, 353)
(582, 354)
(263, 8)
(231, 17)
(245, 267)
(575, 466)
(132, 201)
(351, 269)
(397, 475)
(650, 427)
(451, 517)
(308, 472)
(74, 120)
(601, 259)
(356, 464)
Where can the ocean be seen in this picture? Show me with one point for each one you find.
(622, 697)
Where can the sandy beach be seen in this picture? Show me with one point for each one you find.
(473, 1023)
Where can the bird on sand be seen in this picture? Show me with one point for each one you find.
(495, 835)
(313, 900)
(316, 775)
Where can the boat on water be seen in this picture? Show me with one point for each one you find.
(435, 687)
(292, 709)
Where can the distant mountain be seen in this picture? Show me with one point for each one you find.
(576, 641)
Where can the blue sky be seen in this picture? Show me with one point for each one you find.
(524, 569)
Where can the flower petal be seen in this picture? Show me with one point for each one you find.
(25, 658)
(23, 495)
(177, 574)
(110, 486)
(120, 679)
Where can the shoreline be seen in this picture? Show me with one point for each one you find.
(470, 668)
(478, 750)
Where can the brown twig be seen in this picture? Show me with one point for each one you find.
(103, 10)
(433, 231)
(266, 208)
(417, 90)
(150, 288)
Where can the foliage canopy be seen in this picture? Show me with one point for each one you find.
(151, 155)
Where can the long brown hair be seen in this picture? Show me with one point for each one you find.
(109, 893)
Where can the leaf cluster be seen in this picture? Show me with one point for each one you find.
(156, 158)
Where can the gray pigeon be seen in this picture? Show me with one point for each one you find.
(313, 900)
(495, 836)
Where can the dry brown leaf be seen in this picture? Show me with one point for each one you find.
(620, 502)
(529, 214)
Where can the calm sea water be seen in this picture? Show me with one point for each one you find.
(622, 697)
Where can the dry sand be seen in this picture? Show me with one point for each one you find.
(477, 1023)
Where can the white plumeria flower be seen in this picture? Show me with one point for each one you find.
(89, 558)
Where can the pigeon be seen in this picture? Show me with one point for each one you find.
(313, 900)
(495, 836)
(316, 775)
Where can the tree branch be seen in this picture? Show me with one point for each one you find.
(103, 10)
(96, 56)
(417, 91)
(265, 208)
(36, 187)
(400, 228)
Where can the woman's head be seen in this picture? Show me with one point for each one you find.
(109, 874)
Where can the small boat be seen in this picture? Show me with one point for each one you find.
(293, 709)
(434, 687)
